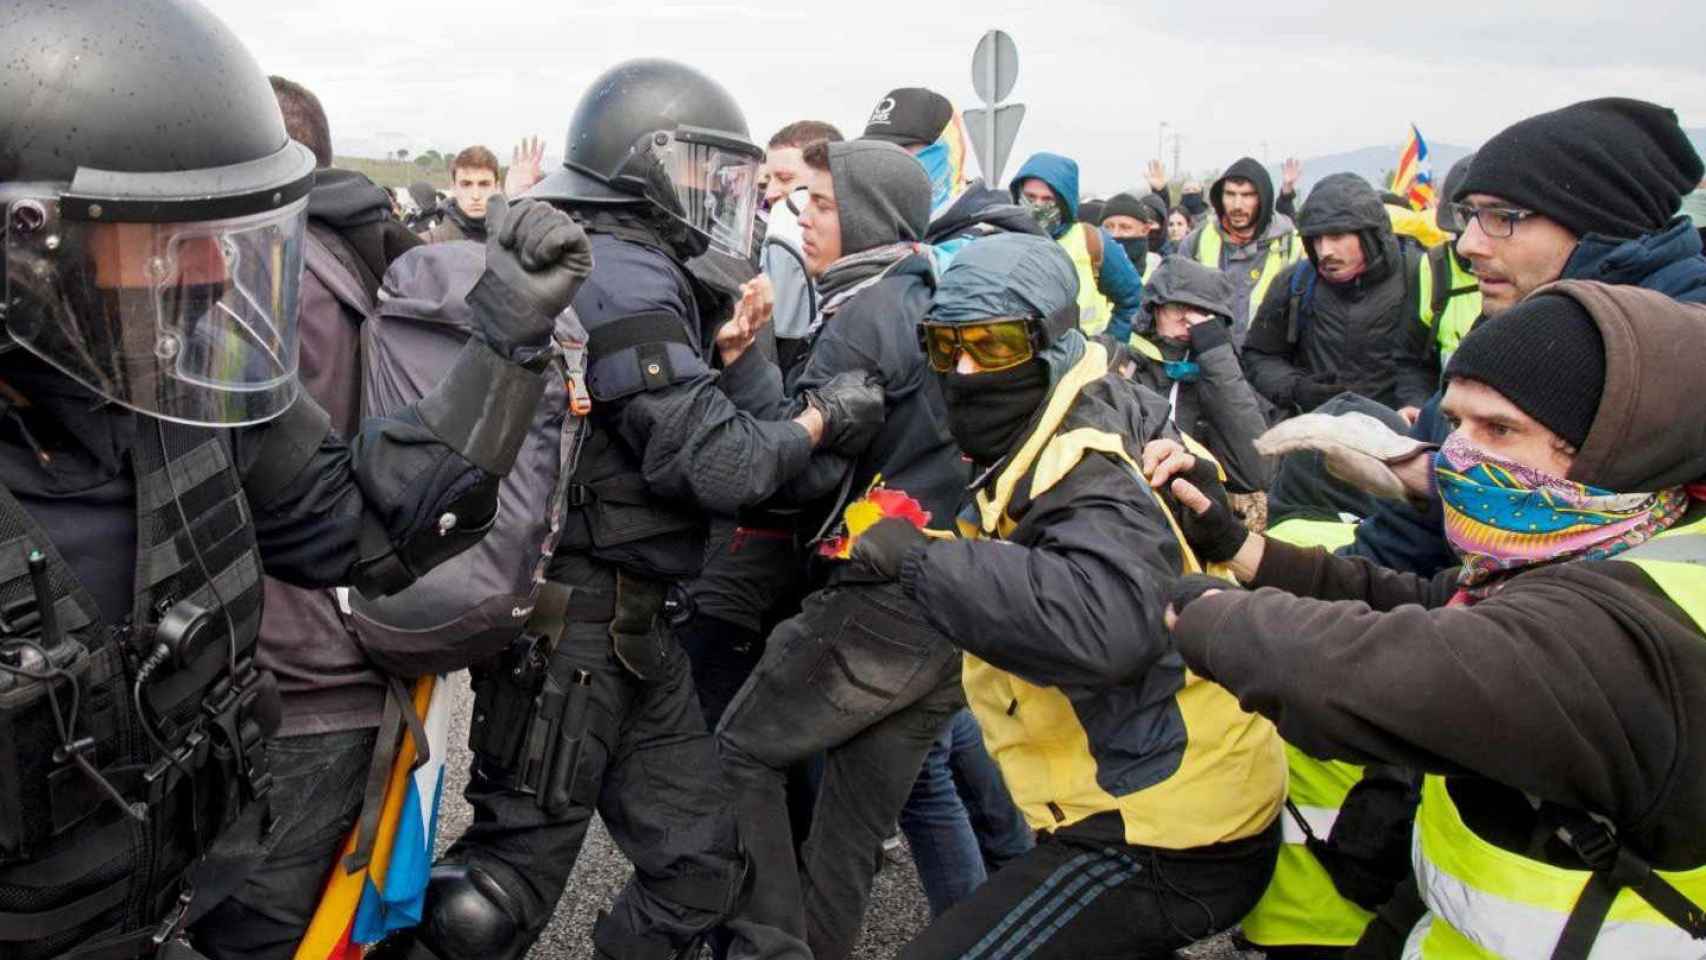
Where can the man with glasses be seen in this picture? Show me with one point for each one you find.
(1153, 795)
(859, 672)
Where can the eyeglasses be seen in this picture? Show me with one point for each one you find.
(998, 344)
(1496, 222)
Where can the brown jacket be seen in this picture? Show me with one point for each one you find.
(1580, 683)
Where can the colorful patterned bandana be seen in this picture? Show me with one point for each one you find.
(1502, 516)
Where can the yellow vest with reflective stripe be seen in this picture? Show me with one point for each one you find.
(1485, 901)
(1281, 251)
(1230, 777)
(1301, 907)
(1461, 310)
(1094, 310)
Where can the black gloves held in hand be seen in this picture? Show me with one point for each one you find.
(536, 258)
(884, 546)
(1215, 535)
(852, 408)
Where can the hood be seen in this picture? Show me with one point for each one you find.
(882, 195)
(1061, 175)
(1668, 261)
(1006, 275)
(981, 205)
(1345, 203)
(1183, 280)
(1247, 168)
(344, 198)
(1648, 433)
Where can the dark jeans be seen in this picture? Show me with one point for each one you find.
(316, 796)
(859, 673)
(649, 767)
(1079, 899)
(960, 821)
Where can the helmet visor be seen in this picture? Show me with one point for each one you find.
(712, 183)
(194, 322)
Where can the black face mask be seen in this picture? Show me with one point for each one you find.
(986, 411)
(1137, 248)
(1193, 204)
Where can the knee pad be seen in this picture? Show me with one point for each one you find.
(469, 916)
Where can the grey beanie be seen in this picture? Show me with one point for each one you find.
(881, 193)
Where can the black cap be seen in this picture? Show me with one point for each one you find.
(1616, 167)
(909, 115)
(1546, 356)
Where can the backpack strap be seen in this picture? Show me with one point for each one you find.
(1615, 868)
(1440, 266)
(1302, 290)
(1093, 243)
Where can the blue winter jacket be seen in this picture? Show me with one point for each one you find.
(1119, 280)
(1403, 538)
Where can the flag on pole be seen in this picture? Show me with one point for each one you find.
(1414, 176)
(361, 906)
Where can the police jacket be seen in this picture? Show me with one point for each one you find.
(664, 444)
(875, 331)
(1083, 700)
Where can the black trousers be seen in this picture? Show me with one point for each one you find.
(649, 767)
(1075, 898)
(860, 675)
(316, 796)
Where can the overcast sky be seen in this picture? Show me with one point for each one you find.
(1302, 77)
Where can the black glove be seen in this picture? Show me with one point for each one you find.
(1191, 586)
(852, 408)
(536, 258)
(1209, 334)
(885, 545)
(1214, 536)
(1309, 394)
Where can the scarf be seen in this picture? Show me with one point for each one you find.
(1501, 516)
(988, 411)
(853, 274)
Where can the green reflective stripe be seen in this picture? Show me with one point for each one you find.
(1302, 907)
(1281, 251)
(1208, 246)
(1319, 783)
(1331, 534)
(1683, 583)
(1461, 310)
(1094, 310)
(1425, 291)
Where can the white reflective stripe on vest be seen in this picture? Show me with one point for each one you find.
(1320, 820)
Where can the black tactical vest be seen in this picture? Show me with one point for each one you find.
(77, 868)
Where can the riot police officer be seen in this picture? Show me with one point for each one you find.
(158, 456)
(593, 707)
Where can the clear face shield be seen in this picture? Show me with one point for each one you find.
(705, 179)
(192, 321)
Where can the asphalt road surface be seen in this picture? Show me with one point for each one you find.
(897, 910)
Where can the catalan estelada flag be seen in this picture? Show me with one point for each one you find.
(1414, 176)
(361, 905)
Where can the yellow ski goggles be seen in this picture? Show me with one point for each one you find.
(996, 344)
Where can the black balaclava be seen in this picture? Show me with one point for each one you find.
(988, 411)
(1137, 248)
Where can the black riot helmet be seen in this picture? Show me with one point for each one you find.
(154, 208)
(659, 131)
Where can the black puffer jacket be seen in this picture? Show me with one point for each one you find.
(1312, 339)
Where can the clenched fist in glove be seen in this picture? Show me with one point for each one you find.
(536, 258)
(852, 407)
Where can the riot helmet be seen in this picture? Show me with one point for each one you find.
(661, 132)
(154, 209)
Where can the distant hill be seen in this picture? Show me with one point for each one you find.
(395, 173)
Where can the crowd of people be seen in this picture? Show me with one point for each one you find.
(780, 499)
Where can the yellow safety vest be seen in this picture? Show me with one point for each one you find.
(1094, 310)
(1301, 907)
(1230, 779)
(1486, 902)
(1281, 251)
(1462, 304)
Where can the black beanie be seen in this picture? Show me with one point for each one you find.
(1616, 167)
(1546, 356)
(1124, 205)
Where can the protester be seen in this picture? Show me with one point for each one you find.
(1178, 227)
(925, 124)
(1154, 795)
(1110, 287)
(474, 175)
(1344, 320)
(1090, 211)
(858, 674)
(1186, 355)
(1134, 225)
(1246, 239)
(1562, 764)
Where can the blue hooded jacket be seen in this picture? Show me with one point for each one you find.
(1119, 280)
(1397, 535)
